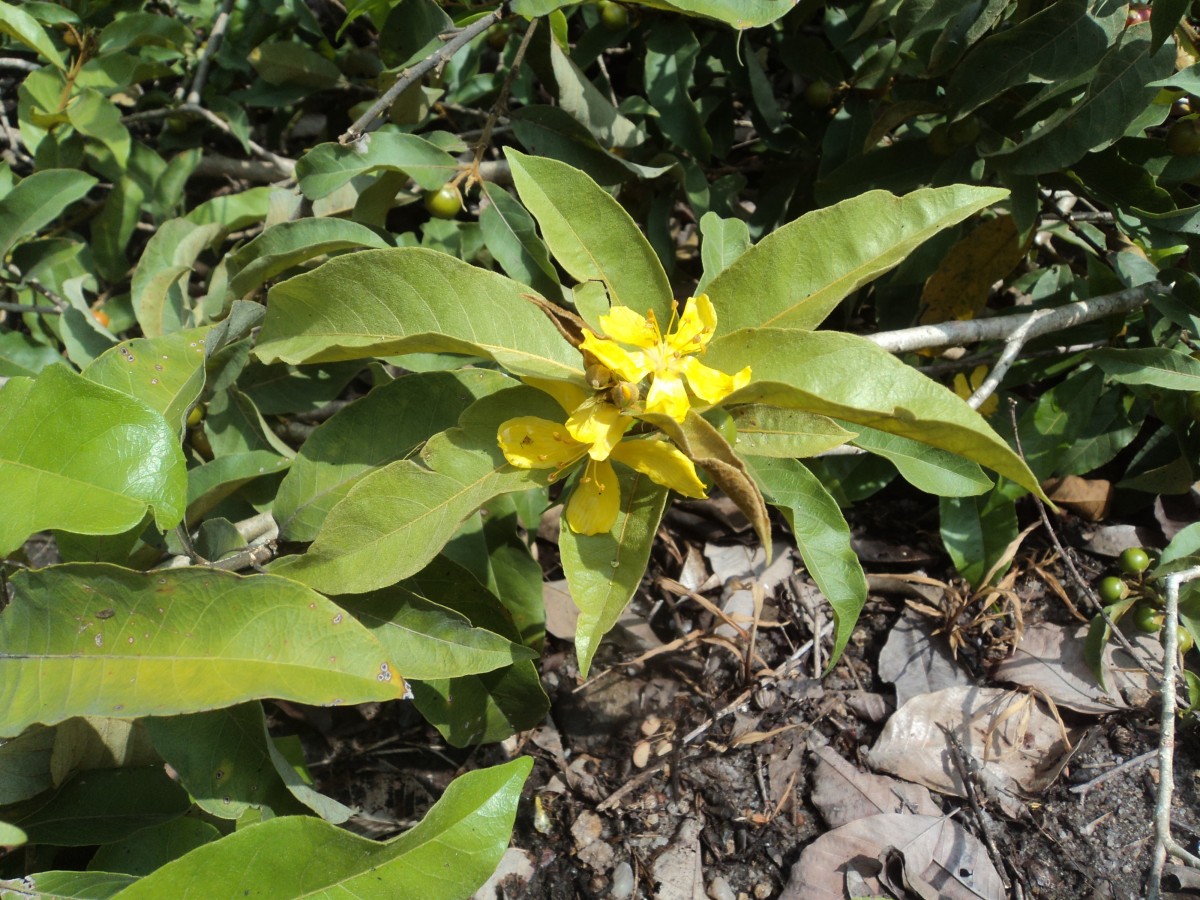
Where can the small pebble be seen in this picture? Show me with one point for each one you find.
(622, 881)
(762, 891)
(719, 889)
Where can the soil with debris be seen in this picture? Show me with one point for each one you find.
(704, 756)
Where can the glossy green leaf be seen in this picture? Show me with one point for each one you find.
(83, 457)
(100, 806)
(823, 538)
(409, 300)
(485, 708)
(794, 277)
(591, 235)
(604, 570)
(37, 201)
(288, 244)
(1118, 93)
(1157, 366)
(96, 639)
(976, 531)
(725, 240)
(350, 445)
(447, 856)
(327, 167)
(785, 433)
(511, 237)
(822, 372)
(20, 25)
(67, 885)
(398, 518)
(160, 297)
(223, 757)
(933, 471)
(166, 373)
(143, 852)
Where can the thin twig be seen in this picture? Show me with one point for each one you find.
(26, 308)
(38, 287)
(501, 104)
(1164, 842)
(1012, 349)
(283, 164)
(1114, 771)
(967, 775)
(413, 75)
(210, 50)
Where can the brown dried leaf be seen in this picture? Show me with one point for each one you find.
(843, 793)
(916, 662)
(959, 288)
(1089, 498)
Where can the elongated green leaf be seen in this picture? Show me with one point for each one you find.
(976, 531)
(22, 355)
(398, 518)
(583, 100)
(1167, 369)
(1119, 92)
(447, 856)
(785, 433)
(25, 765)
(434, 641)
(166, 373)
(823, 372)
(38, 200)
(144, 851)
(511, 237)
(160, 297)
(484, 708)
(67, 885)
(591, 235)
(25, 28)
(794, 277)
(95, 639)
(351, 444)
(551, 132)
(100, 806)
(212, 482)
(326, 167)
(823, 538)
(740, 14)
(288, 244)
(725, 240)
(671, 53)
(83, 457)
(934, 471)
(95, 116)
(293, 63)
(604, 570)
(410, 300)
(223, 757)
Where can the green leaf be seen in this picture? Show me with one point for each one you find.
(447, 856)
(22, 355)
(25, 28)
(933, 471)
(25, 765)
(785, 433)
(1164, 18)
(725, 240)
(511, 237)
(591, 235)
(210, 483)
(1118, 93)
(347, 447)
(823, 538)
(795, 276)
(159, 289)
(485, 708)
(671, 53)
(823, 372)
(83, 457)
(1157, 366)
(38, 200)
(326, 167)
(66, 884)
(233, 211)
(224, 759)
(584, 102)
(95, 116)
(11, 836)
(100, 806)
(410, 300)
(551, 132)
(604, 570)
(166, 373)
(293, 63)
(143, 852)
(95, 639)
(288, 244)
(398, 518)
(976, 532)
(740, 14)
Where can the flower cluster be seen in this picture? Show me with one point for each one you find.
(598, 420)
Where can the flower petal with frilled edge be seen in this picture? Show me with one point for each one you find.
(599, 424)
(663, 462)
(596, 499)
(710, 385)
(667, 396)
(628, 366)
(696, 326)
(622, 324)
(530, 442)
(569, 395)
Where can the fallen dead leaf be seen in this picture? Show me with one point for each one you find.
(1089, 498)
(562, 615)
(937, 850)
(678, 869)
(915, 661)
(843, 793)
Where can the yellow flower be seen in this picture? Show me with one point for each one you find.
(668, 360)
(965, 389)
(593, 430)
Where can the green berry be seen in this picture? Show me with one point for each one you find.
(1133, 561)
(1112, 589)
(445, 202)
(1146, 618)
(818, 94)
(1185, 639)
(613, 16)
(964, 132)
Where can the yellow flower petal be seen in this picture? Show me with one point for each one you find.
(696, 326)
(710, 385)
(663, 462)
(568, 395)
(595, 501)
(667, 396)
(626, 365)
(530, 442)
(599, 424)
(622, 324)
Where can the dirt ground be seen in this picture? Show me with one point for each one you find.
(687, 766)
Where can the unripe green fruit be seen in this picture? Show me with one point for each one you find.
(1184, 138)
(497, 37)
(1133, 561)
(1112, 589)
(818, 94)
(1146, 618)
(195, 416)
(1185, 639)
(613, 16)
(445, 202)
(964, 132)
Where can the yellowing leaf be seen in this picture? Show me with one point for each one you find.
(959, 288)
